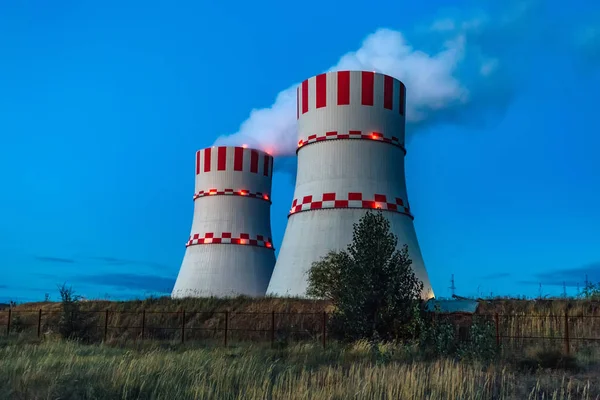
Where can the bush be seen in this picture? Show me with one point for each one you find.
(73, 324)
(481, 341)
(438, 339)
(371, 284)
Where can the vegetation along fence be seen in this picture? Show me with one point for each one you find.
(564, 331)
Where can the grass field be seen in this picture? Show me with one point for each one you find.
(54, 370)
(125, 367)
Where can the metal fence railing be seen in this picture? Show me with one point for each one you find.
(179, 325)
(564, 331)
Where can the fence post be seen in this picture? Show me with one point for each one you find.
(8, 323)
(567, 346)
(497, 323)
(143, 323)
(324, 329)
(39, 323)
(226, 326)
(105, 325)
(182, 326)
(272, 328)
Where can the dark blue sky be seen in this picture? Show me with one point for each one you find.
(103, 105)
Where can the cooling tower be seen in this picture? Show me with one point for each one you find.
(350, 160)
(229, 251)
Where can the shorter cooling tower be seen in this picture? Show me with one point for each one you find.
(229, 251)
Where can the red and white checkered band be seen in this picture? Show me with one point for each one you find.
(230, 238)
(334, 135)
(350, 200)
(231, 192)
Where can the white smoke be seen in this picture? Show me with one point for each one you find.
(429, 78)
(465, 75)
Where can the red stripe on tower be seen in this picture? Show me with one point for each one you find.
(266, 164)
(388, 92)
(402, 98)
(207, 153)
(343, 88)
(222, 159)
(305, 96)
(197, 162)
(238, 159)
(254, 161)
(321, 90)
(368, 79)
(271, 161)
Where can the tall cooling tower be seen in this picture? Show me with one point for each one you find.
(229, 251)
(350, 160)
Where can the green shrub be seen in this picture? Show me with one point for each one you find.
(73, 323)
(371, 285)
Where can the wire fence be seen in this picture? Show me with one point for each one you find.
(182, 325)
(512, 332)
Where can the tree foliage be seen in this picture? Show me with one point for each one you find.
(371, 283)
(590, 291)
(73, 323)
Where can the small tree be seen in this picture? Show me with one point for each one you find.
(590, 291)
(72, 324)
(371, 284)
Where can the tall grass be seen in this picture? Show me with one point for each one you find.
(71, 371)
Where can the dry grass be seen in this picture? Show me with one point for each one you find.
(304, 371)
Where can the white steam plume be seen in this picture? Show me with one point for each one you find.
(430, 81)
(473, 74)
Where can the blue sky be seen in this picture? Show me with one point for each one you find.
(103, 105)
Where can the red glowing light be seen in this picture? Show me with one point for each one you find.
(212, 191)
(244, 192)
(268, 244)
(265, 197)
(300, 143)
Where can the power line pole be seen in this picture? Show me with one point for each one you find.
(452, 286)
(564, 290)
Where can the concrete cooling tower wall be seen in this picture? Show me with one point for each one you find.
(229, 251)
(350, 160)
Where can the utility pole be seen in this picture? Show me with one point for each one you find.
(452, 286)
(540, 291)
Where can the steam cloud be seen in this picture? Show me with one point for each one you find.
(430, 81)
(466, 80)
